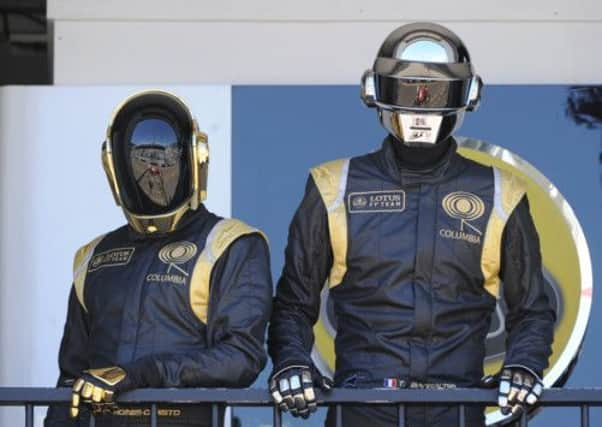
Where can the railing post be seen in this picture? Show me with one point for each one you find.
(153, 415)
(584, 415)
(462, 416)
(214, 415)
(29, 415)
(339, 415)
(277, 416)
(401, 415)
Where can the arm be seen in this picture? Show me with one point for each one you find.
(530, 318)
(308, 258)
(239, 309)
(72, 359)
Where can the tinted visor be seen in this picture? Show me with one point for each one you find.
(419, 94)
(152, 162)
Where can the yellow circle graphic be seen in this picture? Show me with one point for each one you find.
(177, 252)
(463, 205)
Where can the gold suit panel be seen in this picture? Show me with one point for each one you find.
(223, 234)
(509, 190)
(331, 180)
(80, 268)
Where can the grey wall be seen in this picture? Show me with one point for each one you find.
(312, 41)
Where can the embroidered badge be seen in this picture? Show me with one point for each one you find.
(111, 258)
(377, 201)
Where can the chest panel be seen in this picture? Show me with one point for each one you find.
(138, 295)
(430, 233)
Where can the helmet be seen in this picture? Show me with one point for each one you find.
(421, 83)
(156, 160)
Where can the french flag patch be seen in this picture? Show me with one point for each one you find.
(391, 383)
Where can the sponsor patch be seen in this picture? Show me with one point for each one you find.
(177, 252)
(166, 278)
(464, 207)
(174, 255)
(377, 201)
(447, 233)
(111, 258)
(139, 412)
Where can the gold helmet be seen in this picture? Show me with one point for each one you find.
(156, 160)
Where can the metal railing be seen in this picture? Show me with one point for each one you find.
(216, 398)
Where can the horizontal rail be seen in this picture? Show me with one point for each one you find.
(39, 396)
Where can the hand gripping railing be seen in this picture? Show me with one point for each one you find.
(216, 398)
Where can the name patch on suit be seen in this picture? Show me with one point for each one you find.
(377, 201)
(111, 258)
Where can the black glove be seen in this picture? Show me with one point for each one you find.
(98, 387)
(292, 389)
(519, 389)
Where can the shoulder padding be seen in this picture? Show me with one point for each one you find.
(80, 267)
(221, 236)
(511, 190)
(331, 180)
(508, 192)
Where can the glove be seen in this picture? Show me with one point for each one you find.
(98, 387)
(519, 389)
(292, 389)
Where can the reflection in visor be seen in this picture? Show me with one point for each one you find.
(417, 94)
(155, 160)
(425, 50)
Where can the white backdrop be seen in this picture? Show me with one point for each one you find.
(54, 197)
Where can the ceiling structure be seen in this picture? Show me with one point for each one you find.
(24, 42)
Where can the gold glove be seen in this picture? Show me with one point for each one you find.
(96, 386)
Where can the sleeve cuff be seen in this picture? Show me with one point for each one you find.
(286, 364)
(526, 368)
(141, 373)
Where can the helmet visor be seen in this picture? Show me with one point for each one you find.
(424, 95)
(153, 164)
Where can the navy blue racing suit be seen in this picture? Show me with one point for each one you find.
(186, 309)
(415, 260)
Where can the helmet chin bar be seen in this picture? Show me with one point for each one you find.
(418, 128)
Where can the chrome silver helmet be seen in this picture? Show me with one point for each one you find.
(421, 83)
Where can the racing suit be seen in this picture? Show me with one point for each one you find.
(186, 309)
(414, 259)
